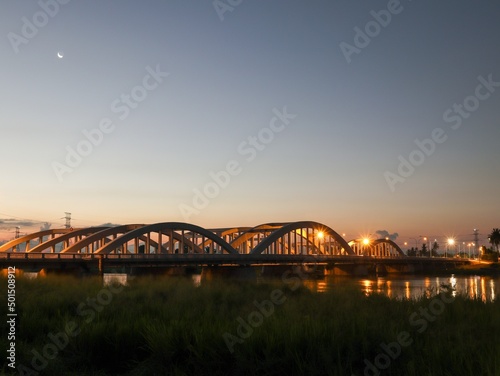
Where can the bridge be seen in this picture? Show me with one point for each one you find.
(178, 244)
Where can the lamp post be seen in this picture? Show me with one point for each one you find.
(450, 242)
(366, 242)
(320, 235)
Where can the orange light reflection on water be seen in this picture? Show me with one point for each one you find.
(407, 290)
(367, 286)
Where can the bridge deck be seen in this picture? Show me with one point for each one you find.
(159, 260)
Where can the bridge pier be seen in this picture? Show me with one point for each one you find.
(304, 271)
(403, 268)
(349, 270)
(101, 266)
(381, 269)
(171, 271)
(209, 273)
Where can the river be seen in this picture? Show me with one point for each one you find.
(399, 287)
(415, 286)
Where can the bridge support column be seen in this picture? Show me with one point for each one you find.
(303, 271)
(101, 265)
(209, 273)
(380, 269)
(349, 270)
(170, 271)
(402, 268)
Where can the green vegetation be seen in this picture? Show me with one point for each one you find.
(494, 238)
(160, 326)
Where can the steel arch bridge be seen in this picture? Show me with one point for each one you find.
(377, 248)
(286, 238)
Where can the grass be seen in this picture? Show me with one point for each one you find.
(167, 326)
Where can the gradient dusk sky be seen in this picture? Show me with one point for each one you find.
(311, 108)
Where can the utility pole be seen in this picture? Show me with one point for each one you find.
(476, 241)
(68, 219)
(17, 236)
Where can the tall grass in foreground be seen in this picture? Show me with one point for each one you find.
(160, 326)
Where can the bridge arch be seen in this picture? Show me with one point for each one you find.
(377, 248)
(27, 239)
(99, 238)
(190, 240)
(75, 235)
(246, 241)
(318, 238)
(230, 234)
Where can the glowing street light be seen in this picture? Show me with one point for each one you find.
(450, 243)
(320, 235)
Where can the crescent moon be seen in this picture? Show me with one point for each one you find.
(60, 55)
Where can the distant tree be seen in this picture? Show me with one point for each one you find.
(494, 238)
(488, 254)
(424, 251)
(412, 251)
(434, 249)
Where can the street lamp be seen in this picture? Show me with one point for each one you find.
(320, 235)
(366, 242)
(451, 242)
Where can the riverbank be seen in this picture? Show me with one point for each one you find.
(483, 268)
(159, 326)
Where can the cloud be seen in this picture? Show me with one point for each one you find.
(385, 234)
(8, 223)
(108, 225)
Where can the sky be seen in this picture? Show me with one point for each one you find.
(363, 115)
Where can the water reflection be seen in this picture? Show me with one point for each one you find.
(114, 278)
(398, 287)
(196, 280)
(414, 287)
